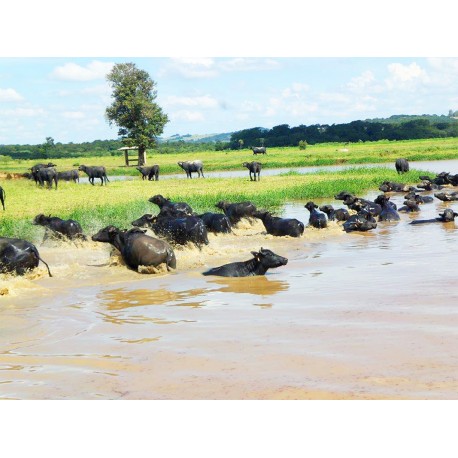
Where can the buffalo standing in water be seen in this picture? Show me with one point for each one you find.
(137, 248)
(316, 219)
(259, 265)
(62, 228)
(280, 226)
(402, 165)
(19, 256)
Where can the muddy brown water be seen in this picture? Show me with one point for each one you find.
(351, 316)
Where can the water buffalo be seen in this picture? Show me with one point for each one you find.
(259, 150)
(47, 174)
(410, 206)
(340, 214)
(71, 175)
(358, 204)
(316, 219)
(259, 265)
(95, 172)
(163, 202)
(254, 168)
(2, 197)
(151, 173)
(402, 165)
(391, 186)
(280, 226)
(190, 229)
(446, 197)
(388, 213)
(62, 228)
(447, 217)
(19, 256)
(235, 212)
(216, 223)
(361, 222)
(137, 248)
(418, 198)
(192, 166)
(37, 167)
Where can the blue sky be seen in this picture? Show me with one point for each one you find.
(53, 63)
(65, 98)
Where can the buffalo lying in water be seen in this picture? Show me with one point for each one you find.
(259, 265)
(447, 217)
(316, 219)
(19, 256)
(361, 222)
(67, 228)
(280, 226)
(137, 248)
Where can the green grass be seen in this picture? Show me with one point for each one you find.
(121, 202)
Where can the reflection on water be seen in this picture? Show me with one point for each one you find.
(259, 285)
(122, 298)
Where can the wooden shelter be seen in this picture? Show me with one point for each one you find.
(132, 159)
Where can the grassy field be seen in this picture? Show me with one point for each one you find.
(121, 202)
(315, 155)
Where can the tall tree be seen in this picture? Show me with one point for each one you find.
(134, 110)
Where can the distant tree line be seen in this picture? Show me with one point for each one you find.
(355, 131)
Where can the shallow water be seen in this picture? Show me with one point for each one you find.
(351, 316)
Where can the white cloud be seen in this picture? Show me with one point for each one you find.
(205, 101)
(74, 72)
(405, 76)
(10, 95)
(362, 81)
(24, 112)
(187, 115)
(190, 67)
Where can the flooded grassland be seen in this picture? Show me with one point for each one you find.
(351, 316)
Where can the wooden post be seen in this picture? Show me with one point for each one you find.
(126, 157)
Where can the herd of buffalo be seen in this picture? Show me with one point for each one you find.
(177, 224)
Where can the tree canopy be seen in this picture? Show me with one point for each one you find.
(134, 110)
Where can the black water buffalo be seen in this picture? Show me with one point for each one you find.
(216, 223)
(402, 165)
(97, 171)
(37, 167)
(137, 248)
(19, 256)
(71, 175)
(428, 185)
(361, 222)
(254, 168)
(357, 204)
(259, 150)
(418, 198)
(47, 174)
(164, 203)
(410, 206)
(391, 186)
(259, 265)
(190, 229)
(151, 173)
(62, 228)
(316, 219)
(2, 197)
(343, 195)
(192, 166)
(447, 217)
(388, 213)
(339, 214)
(235, 212)
(280, 226)
(446, 196)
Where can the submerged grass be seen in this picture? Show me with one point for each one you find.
(121, 202)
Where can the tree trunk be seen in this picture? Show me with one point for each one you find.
(141, 155)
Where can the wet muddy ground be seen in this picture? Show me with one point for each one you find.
(351, 316)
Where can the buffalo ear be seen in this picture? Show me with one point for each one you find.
(255, 254)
